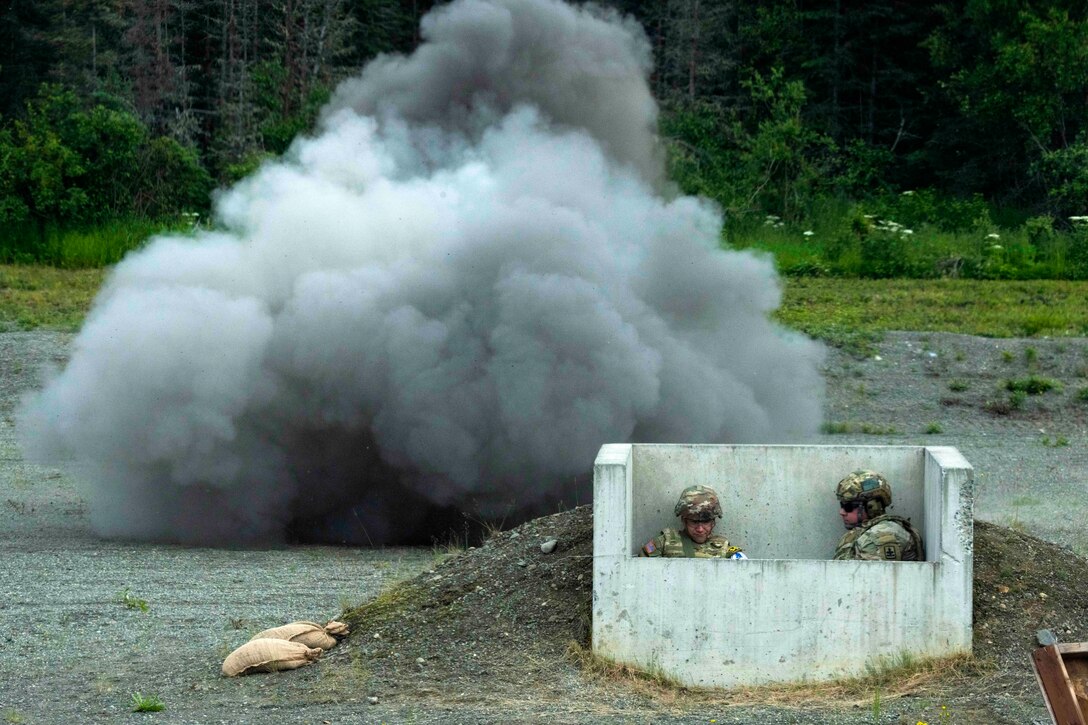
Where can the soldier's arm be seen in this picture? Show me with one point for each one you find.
(878, 544)
(845, 549)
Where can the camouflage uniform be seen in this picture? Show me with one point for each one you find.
(882, 537)
(698, 503)
(677, 543)
(885, 538)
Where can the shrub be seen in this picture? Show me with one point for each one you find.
(919, 207)
(173, 180)
(130, 601)
(1032, 385)
(150, 703)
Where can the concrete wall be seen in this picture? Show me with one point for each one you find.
(788, 613)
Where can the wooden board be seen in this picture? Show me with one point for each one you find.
(1058, 689)
(1076, 666)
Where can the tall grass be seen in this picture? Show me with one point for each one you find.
(80, 247)
(842, 239)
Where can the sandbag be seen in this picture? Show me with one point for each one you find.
(308, 633)
(268, 655)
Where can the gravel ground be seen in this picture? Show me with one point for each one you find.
(71, 650)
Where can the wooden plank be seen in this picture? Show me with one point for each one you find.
(1073, 648)
(1076, 666)
(1057, 689)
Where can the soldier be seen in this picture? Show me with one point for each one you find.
(697, 508)
(872, 534)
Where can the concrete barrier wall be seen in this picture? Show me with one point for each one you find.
(789, 613)
(778, 501)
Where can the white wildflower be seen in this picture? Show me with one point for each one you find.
(908, 193)
(906, 232)
(992, 235)
(808, 233)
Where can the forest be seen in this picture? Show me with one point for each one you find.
(884, 138)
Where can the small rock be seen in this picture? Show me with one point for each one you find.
(420, 660)
(522, 562)
(549, 546)
(372, 700)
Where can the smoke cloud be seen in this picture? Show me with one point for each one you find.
(447, 298)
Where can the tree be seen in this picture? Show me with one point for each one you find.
(1014, 91)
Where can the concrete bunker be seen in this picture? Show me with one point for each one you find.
(789, 612)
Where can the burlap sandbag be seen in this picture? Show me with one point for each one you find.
(268, 655)
(310, 634)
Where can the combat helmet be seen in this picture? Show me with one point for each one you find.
(867, 488)
(698, 503)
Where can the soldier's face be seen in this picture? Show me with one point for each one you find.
(851, 519)
(699, 531)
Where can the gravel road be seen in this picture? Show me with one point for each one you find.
(76, 641)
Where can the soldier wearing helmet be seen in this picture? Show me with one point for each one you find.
(698, 507)
(871, 532)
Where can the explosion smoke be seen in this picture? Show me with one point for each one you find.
(450, 296)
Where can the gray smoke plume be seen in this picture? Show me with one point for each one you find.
(447, 298)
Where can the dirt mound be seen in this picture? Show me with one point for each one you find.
(1024, 584)
(500, 612)
(506, 612)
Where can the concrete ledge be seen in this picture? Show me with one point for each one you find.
(789, 613)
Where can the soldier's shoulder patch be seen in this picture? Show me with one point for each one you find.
(891, 552)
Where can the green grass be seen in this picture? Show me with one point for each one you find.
(33, 297)
(1032, 385)
(149, 703)
(840, 239)
(82, 247)
(130, 601)
(838, 310)
(852, 314)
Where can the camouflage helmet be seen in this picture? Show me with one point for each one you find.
(699, 503)
(864, 487)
